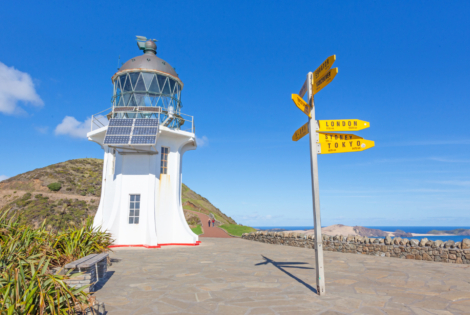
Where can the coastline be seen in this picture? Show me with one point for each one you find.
(443, 234)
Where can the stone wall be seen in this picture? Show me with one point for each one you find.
(449, 252)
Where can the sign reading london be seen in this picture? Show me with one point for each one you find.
(342, 125)
(346, 146)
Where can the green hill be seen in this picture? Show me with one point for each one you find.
(78, 195)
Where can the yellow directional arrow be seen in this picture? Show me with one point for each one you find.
(324, 67)
(300, 133)
(346, 146)
(324, 80)
(333, 137)
(301, 104)
(342, 125)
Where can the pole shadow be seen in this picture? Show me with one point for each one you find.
(288, 264)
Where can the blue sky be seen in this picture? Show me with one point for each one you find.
(403, 67)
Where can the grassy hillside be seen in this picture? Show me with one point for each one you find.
(78, 196)
(77, 177)
(195, 202)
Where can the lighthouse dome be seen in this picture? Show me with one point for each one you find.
(147, 81)
(149, 62)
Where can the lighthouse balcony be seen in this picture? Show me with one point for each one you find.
(167, 117)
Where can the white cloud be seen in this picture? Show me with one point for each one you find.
(3, 177)
(15, 87)
(203, 141)
(73, 128)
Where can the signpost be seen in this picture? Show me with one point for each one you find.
(320, 271)
(324, 140)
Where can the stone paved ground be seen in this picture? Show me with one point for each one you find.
(235, 276)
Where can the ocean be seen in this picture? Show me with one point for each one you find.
(409, 229)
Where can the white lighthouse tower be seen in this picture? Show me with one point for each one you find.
(144, 137)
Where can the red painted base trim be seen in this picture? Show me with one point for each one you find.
(158, 246)
(182, 244)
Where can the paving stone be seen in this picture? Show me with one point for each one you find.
(455, 295)
(392, 311)
(232, 310)
(364, 290)
(162, 308)
(261, 311)
(368, 310)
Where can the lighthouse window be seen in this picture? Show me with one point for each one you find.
(134, 209)
(164, 162)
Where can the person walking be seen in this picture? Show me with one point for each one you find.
(209, 222)
(213, 222)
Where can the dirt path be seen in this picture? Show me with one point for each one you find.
(210, 231)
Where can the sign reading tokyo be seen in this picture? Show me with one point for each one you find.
(332, 137)
(324, 67)
(346, 146)
(300, 133)
(342, 125)
(324, 81)
(302, 105)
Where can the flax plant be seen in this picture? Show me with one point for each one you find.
(28, 284)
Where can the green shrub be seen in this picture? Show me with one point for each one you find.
(27, 257)
(55, 186)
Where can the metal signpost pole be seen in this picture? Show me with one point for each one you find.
(315, 191)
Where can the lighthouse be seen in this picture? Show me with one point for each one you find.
(144, 136)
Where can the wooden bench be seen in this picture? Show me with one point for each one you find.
(93, 267)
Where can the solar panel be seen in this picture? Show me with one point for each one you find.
(119, 131)
(146, 122)
(136, 131)
(145, 131)
(116, 140)
(143, 139)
